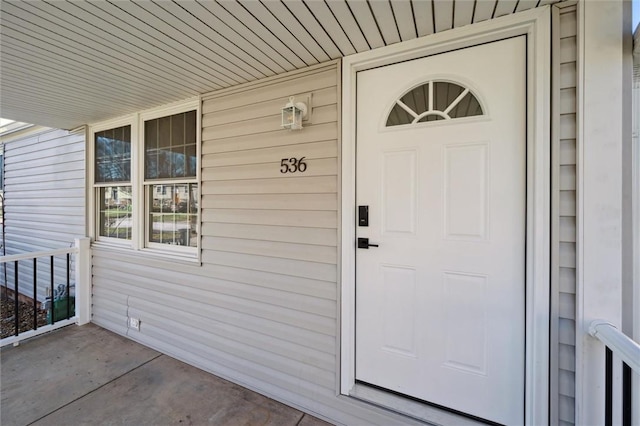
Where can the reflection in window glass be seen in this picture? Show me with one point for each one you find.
(467, 107)
(115, 212)
(113, 155)
(444, 93)
(170, 146)
(417, 99)
(398, 116)
(173, 214)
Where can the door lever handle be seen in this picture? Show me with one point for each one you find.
(363, 243)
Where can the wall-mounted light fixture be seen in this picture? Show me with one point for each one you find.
(292, 114)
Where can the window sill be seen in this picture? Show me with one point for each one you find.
(150, 253)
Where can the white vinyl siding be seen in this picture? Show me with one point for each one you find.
(564, 259)
(262, 309)
(44, 201)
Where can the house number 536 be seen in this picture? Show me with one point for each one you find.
(292, 165)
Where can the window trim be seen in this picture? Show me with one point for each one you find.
(138, 242)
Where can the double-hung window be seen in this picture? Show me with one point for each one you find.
(146, 181)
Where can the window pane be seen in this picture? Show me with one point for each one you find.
(430, 117)
(164, 129)
(177, 160)
(399, 116)
(177, 130)
(417, 99)
(467, 107)
(164, 163)
(173, 214)
(173, 155)
(113, 155)
(115, 212)
(444, 94)
(191, 159)
(190, 128)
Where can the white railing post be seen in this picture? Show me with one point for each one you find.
(623, 349)
(621, 345)
(83, 280)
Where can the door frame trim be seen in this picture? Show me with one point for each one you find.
(536, 25)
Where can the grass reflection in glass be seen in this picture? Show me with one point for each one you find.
(115, 212)
(173, 214)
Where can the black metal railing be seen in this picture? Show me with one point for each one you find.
(58, 305)
(618, 344)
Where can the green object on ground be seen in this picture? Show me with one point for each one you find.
(60, 309)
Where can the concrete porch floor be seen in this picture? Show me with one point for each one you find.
(90, 376)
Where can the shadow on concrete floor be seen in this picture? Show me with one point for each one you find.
(90, 376)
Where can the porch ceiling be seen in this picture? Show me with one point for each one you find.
(64, 64)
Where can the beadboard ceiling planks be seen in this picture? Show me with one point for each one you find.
(64, 64)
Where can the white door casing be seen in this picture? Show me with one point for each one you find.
(440, 307)
(535, 24)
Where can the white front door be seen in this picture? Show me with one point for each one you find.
(441, 165)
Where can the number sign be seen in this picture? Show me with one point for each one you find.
(293, 165)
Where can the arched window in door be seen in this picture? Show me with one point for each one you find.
(432, 101)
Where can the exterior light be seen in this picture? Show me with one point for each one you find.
(292, 114)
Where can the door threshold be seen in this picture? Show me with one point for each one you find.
(410, 407)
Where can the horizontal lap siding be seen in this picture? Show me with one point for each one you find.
(566, 210)
(44, 202)
(262, 309)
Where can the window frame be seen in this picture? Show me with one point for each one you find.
(139, 204)
(143, 231)
(95, 187)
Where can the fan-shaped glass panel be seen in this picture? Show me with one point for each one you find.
(433, 101)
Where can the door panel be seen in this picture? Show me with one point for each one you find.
(440, 303)
(399, 313)
(399, 192)
(465, 191)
